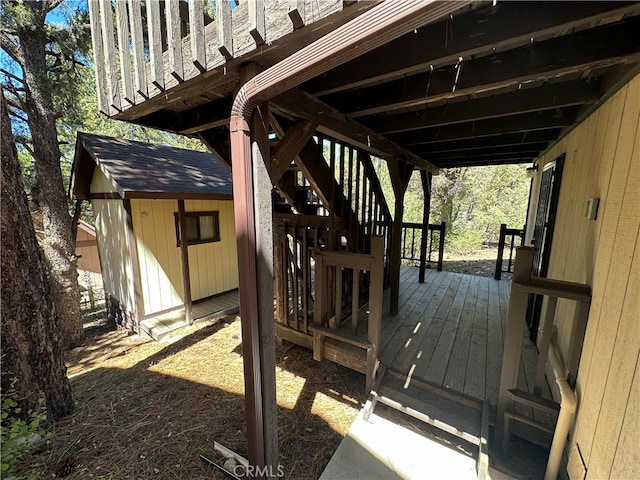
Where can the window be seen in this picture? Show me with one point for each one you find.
(202, 227)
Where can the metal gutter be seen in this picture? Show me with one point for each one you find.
(383, 23)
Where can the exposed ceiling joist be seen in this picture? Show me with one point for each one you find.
(495, 126)
(538, 62)
(434, 155)
(504, 26)
(523, 101)
(499, 140)
(477, 162)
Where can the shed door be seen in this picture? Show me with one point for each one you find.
(543, 235)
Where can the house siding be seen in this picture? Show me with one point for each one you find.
(159, 257)
(213, 267)
(603, 161)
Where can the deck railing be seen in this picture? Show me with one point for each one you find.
(413, 250)
(141, 49)
(524, 283)
(337, 302)
(512, 233)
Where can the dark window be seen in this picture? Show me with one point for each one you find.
(202, 227)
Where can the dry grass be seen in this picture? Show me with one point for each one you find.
(148, 409)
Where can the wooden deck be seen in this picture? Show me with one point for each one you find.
(449, 333)
(220, 305)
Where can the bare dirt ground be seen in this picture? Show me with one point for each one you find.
(148, 409)
(482, 262)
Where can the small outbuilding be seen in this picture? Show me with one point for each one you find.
(159, 212)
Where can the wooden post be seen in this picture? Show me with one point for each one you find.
(503, 233)
(400, 174)
(184, 255)
(513, 335)
(262, 188)
(426, 190)
(547, 315)
(443, 232)
(374, 327)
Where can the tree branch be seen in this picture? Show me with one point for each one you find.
(11, 48)
(11, 75)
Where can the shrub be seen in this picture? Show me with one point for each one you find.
(18, 432)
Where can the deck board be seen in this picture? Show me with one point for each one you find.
(160, 325)
(449, 333)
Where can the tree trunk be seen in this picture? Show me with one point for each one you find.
(60, 234)
(30, 337)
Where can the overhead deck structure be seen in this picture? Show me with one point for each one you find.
(422, 86)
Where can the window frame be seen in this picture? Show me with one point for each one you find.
(197, 215)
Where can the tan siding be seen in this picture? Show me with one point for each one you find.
(100, 183)
(113, 245)
(603, 161)
(159, 257)
(213, 266)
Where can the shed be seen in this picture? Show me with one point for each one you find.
(147, 200)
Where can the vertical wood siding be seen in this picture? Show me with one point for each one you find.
(214, 266)
(88, 260)
(158, 254)
(603, 161)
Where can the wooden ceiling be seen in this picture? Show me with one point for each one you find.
(497, 84)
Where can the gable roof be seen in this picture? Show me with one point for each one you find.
(147, 170)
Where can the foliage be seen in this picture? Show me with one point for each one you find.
(19, 431)
(474, 201)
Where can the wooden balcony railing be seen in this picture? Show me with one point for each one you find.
(338, 286)
(413, 236)
(141, 49)
(511, 233)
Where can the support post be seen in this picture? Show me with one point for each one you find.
(184, 254)
(513, 335)
(400, 173)
(375, 308)
(426, 189)
(503, 233)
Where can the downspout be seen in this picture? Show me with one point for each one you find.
(568, 405)
(381, 24)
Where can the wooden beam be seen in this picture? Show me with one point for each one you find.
(196, 27)
(550, 59)
(217, 143)
(500, 140)
(174, 40)
(122, 22)
(517, 123)
(135, 17)
(184, 257)
(289, 147)
(203, 117)
(225, 34)
(484, 161)
(479, 157)
(297, 103)
(486, 30)
(521, 101)
(424, 150)
(155, 44)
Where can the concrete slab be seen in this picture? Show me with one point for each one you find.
(382, 450)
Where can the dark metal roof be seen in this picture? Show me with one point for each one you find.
(139, 169)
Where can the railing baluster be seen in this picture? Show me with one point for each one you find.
(257, 23)
(106, 20)
(338, 294)
(155, 44)
(98, 51)
(296, 13)
(355, 301)
(137, 39)
(174, 39)
(122, 22)
(225, 36)
(196, 30)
